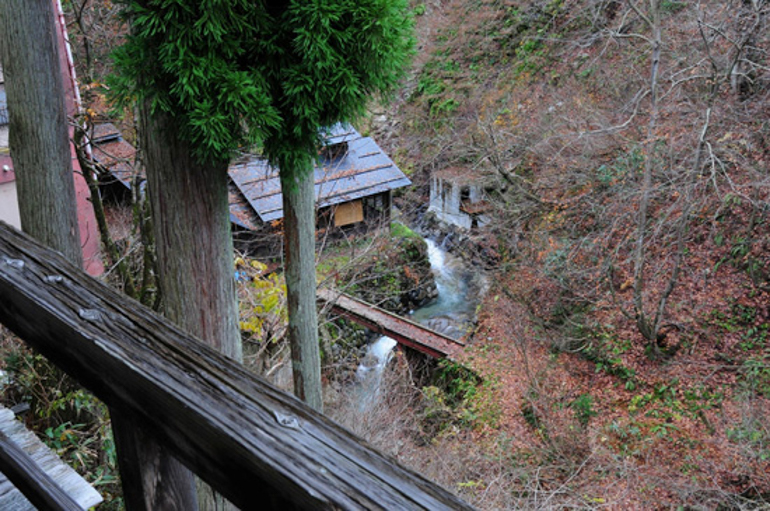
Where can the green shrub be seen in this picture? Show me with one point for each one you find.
(69, 419)
(583, 406)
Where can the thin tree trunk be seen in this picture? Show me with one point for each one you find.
(643, 323)
(38, 136)
(298, 188)
(113, 253)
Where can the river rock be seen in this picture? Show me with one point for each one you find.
(398, 276)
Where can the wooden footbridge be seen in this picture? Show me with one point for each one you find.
(403, 331)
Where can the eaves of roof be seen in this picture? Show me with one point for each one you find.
(364, 170)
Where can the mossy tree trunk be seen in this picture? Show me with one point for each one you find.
(37, 134)
(298, 187)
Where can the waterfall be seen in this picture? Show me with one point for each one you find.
(448, 314)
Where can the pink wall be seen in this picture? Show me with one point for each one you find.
(89, 234)
(5, 161)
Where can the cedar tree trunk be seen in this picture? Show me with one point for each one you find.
(38, 136)
(298, 190)
(194, 243)
(196, 274)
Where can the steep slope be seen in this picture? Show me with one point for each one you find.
(625, 154)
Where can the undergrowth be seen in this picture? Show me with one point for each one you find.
(67, 418)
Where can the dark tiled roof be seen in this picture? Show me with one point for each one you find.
(116, 155)
(241, 213)
(105, 132)
(362, 171)
(255, 191)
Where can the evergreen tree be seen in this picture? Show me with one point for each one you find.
(223, 74)
(38, 137)
(199, 99)
(322, 62)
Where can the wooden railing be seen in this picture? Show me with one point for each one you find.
(258, 446)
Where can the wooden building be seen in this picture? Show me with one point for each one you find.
(354, 179)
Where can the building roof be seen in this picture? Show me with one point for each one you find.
(460, 176)
(105, 132)
(241, 213)
(114, 153)
(362, 170)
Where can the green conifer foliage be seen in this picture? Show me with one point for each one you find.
(192, 59)
(323, 62)
(237, 73)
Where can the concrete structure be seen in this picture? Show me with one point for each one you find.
(457, 198)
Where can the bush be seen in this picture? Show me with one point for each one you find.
(583, 406)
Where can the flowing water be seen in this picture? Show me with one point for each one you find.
(455, 308)
(451, 313)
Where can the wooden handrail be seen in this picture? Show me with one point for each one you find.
(255, 444)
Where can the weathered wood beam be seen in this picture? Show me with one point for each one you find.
(28, 467)
(250, 441)
(37, 486)
(402, 330)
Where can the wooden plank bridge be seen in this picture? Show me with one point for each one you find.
(402, 330)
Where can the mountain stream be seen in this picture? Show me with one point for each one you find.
(451, 313)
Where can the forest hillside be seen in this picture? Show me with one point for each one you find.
(619, 355)
(624, 151)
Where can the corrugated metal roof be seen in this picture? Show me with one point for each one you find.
(362, 171)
